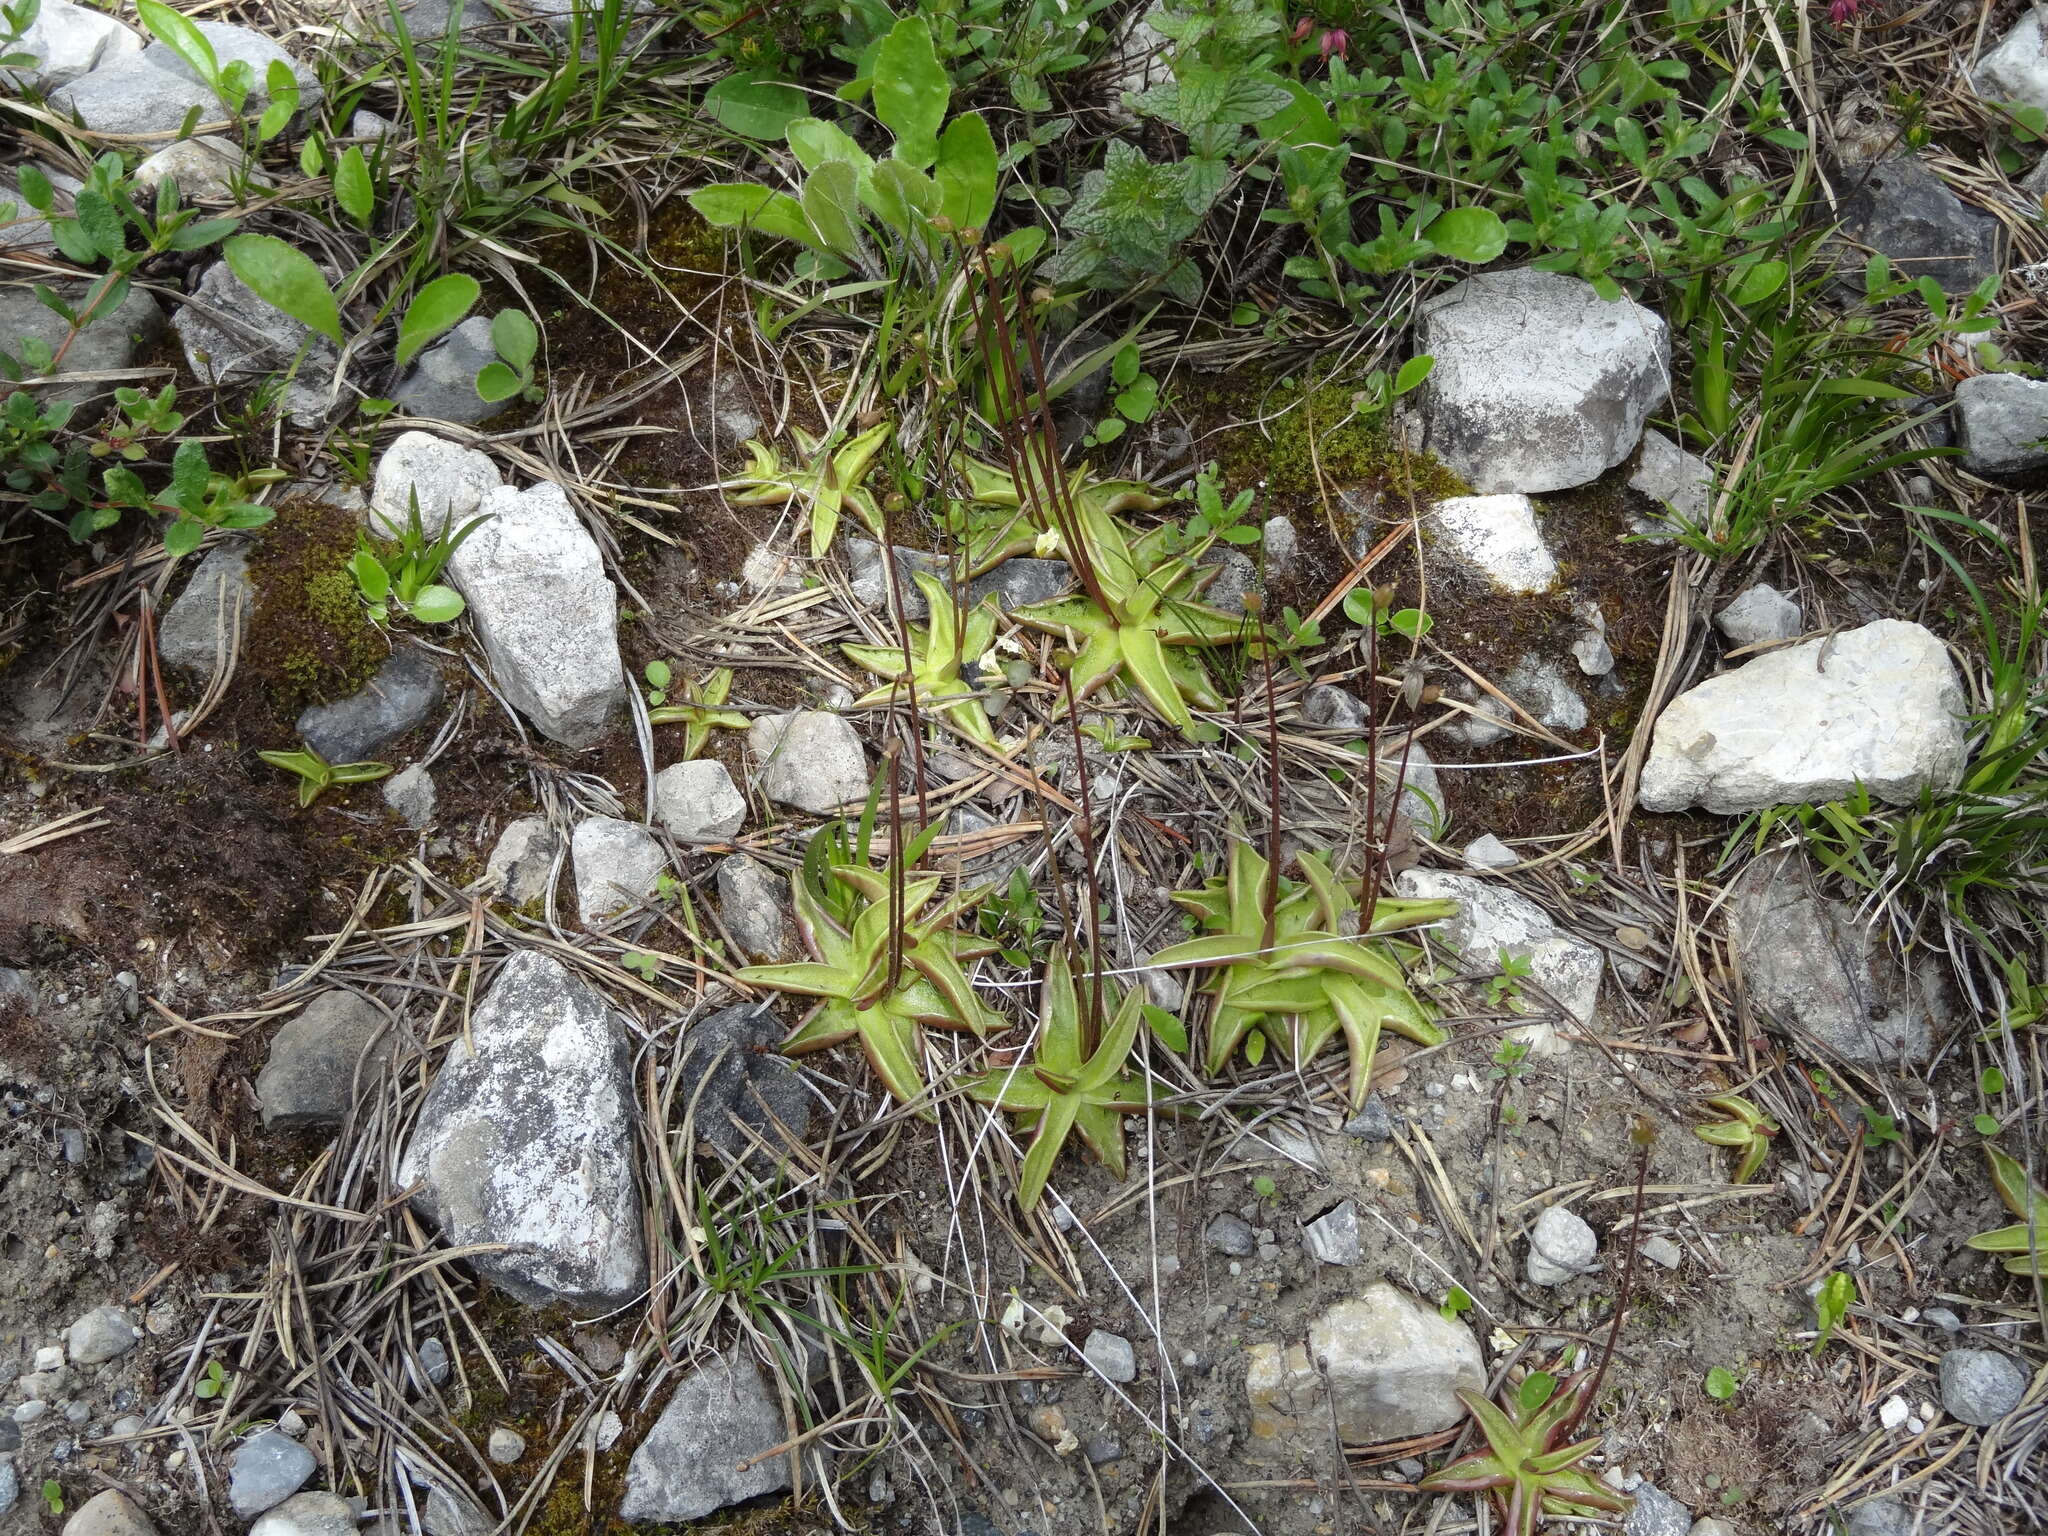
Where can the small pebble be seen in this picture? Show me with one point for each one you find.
(506, 1446)
(1228, 1234)
(1981, 1386)
(50, 1358)
(1663, 1252)
(1111, 1355)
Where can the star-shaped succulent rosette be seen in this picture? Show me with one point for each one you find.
(826, 481)
(1068, 1088)
(1281, 969)
(936, 654)
(1525, 1468)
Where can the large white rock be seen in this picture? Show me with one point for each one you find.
(1392, 1367)
(526, 1139)
(67, 41)
(617, 864)
(1491, 918)
(546, 612)
(449, 480)
(1498, 536)
(724, 1413)
(1540, 384)
(2017, 69)
(811, 760)
(1878, 705)
(697, 801)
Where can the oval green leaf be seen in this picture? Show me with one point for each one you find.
(352, 188)
(285, 278)
(513, 334)
(754, 105)
(911, 91)
(438, 307)
(437, 605)
(966, 172)
(1474, 235)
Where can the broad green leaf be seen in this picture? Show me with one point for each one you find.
(285, 278)
(755, 105)
(282, 87)
(1474, 235)
(747, 204)
(813, 142)
(437, 605)
(1412, 373)
(1759, 281)
(183, 536)
(513, 334)
(831, 201)
(911, 91)
(104, 227)
(906, 199)
(372, 580)
(182, 38)
(435, 309)
(966, 172)
(495, 382)
(352, 188)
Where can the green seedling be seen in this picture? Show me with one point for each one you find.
(1456, 1304)
(936, 656)
(213, 1381)
(1281, 972)
(405, 575)
(2027, 1238)
(1067, 1088)
(1524, 1468)
(834, 483)
(317, 775)
(517, 342)
(53, 1496)
(699, 713)
(1505, 989)
(1721, 1384)
(1510, 1061)
(1831, 1304)
(1013, 920)
(1745, 1128)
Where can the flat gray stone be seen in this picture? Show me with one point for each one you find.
(522, 863)
(109, 342)
(232, 44)
(400, 698)
(267, 1468)
(1230, 1235)
(1759, 615)
(1020, 582)
(103, 1334)
(870, 582)
(811, 760)
(410, 793)
(616, 865)
(1332, 1238)
(319, 1056)
(732, 1082)
(1373, 1122)
(216, 602)
(526, 1139)
(724, 1413)
(132, 95)
(442, 381)
(546, 612)
(1981, 1386)
(231, 336)
(1683, 482)
(2003, 419)
(1902, 209)
(751, 903)
(697, 802)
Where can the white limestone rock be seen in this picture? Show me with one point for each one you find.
(1759, 615)
(1498, 536)
(811, 760)
(450, 481)
(617, 864)
(697, 802)
(1880, 706)
(1491, 918)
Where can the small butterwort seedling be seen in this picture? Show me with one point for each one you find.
(1745, 1128)
(317, 775)
(407, 577)
(1721, 1383)
(1831, 1304)
(2026, 1239)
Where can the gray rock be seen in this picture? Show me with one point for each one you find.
(1682, 482)
(316, 1060)
(1540, 384)
(2003, 420)
(1390, 1368)
(449, 482)
(433, 1358)
(108, 343)
(10, 1485)
(10, 1435)
(1561, 1247)
(1709, 1525)
(103, 1334)
(1332, 1238)
(1813, 969)
(1656, 1513)
(208, 167)
(410, 794)
(750, 904)
(546, 612)
(1101, 1450)
(199, 625)
(233, 337)
(735, 1087)
(616, 865)
(1489, 852)
(1281, 544)
(811, 760)
(1498, 537)
(308, 1514)
(442, 382)
(1879, 706)
(109, 1513)
(1230, 1235)
(232, 44)
(1236, 578)
(1901, 208)
(870, 583)
(1493, 918)
(527, 1139)
(2017, 69)
(522, 863)
(1111, 1355)
(1331, 709)
(724, 1413)
(24, 230)
(1663, 1252)
(132, 95)
(1591, 650)
(505, 1446)
(1759, 615)
(401, 698)
(1981, 1386)
(1881, 1517)
(1021, 582)
(1372, 1122)
(697, 802)
(1541, 687)
(1942, 1318)
(67, 41)
(268, 1468)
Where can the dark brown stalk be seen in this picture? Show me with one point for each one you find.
(1272, 901)
(895, 580)
(1087, 826)
(1643, 1134)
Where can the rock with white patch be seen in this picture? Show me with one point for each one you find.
(1681, 482)
(1540, 384)
(116, 339)
(267, 1468)
(206, 167)
(522, 862)
(67, 41)
(1492, 918)
(811, 760)
(1497, 535)
(231, 336)
(1561, 1247)
(751, 899)
(2017, 68)
(1815, 969)
(400, 698)
(708, 1448)
(1489, 852)
(1760, 615)
(546, 612)
(617, 865)
(1903, 210)
(1981, 1386)
(697, 801)
(2002, 419)
(411, 795)
(1380, 1366)
(450, 482)
(526, 1139)
(1878, 706)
